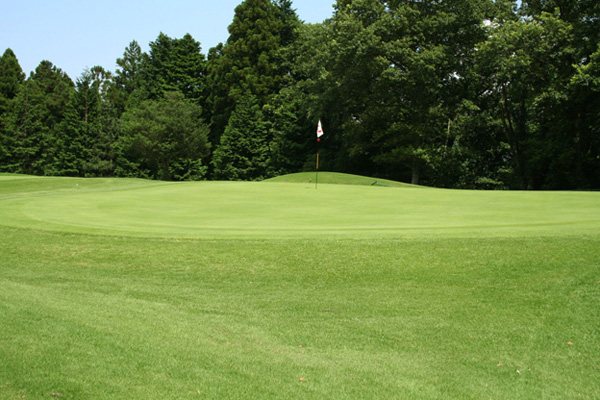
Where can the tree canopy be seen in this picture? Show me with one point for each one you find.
(489, 94)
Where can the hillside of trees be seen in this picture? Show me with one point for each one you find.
(465, 94)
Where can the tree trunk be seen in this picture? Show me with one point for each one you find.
(416, 174)
(513, 140)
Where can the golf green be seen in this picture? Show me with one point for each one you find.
(271, 210)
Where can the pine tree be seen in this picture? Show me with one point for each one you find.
(243, 152)
(250, 61)
(291, 142)
(289, 20)
(11, 80)
(36, 131)
(128, 88)
(97, 119)
(176, 65)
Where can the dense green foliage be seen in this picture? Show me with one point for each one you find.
(164, 139)
(243, 149)
(248, 63)
(467, 94)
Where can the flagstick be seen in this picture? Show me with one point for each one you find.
(319, 134)
(317, 171)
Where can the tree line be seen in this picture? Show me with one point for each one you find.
(450, 93)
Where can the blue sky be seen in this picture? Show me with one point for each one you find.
(75, 35)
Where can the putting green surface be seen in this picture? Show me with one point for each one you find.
(272, 209)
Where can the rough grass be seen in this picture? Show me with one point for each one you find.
(446, 313)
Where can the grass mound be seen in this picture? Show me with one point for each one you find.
(337, 179)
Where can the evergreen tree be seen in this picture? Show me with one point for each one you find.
(287, 113)
(11, 80)
(289, 20)
(129, 87)
(290, 132)
(97, 120)
(70, 152)
(36, 135)
(176, 65)
(249, 63)
(243, 152)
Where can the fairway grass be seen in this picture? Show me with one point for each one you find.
(130, 289)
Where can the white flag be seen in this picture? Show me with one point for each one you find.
(319, 130)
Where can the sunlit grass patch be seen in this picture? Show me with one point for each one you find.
(178, 313)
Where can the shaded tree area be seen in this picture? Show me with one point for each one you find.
(480, 94)
(164, 139)
(40, 134)
(243, 150)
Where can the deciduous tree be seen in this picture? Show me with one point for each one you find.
(164, 139)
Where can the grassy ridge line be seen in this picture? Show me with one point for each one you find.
(27, 185)
(337, 178)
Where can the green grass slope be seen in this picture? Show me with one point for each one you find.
(124, 288)
(336, 178)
